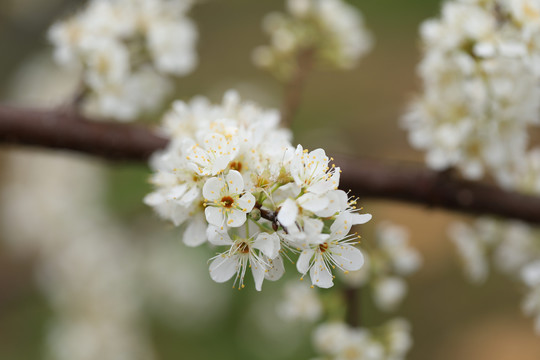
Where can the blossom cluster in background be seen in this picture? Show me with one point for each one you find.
(333, 31)
(231, 176)
(123, 48)
(337, 340)
(514, 249)
(481, 79)
(388, 260)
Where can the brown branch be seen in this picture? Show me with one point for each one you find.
(294, 87)
(366, 178)
(67, 130)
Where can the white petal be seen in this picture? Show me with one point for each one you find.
(348, 257)
(220, 163)
(177, 192)
(302, 265)
(288, 212)
(235, 182)
(246, 202)
(341, 226)
(195, 233)
(190, 196)
(320, 275)
(268, 243)
(313, 226)
(223, 268)
(313, 202)
(236, 218)
(214, 215)
(154, 199)
(337, 202)
(276, 269)
(257, 269)
(358, 219)
(318, 156)
(212, 188)
(217, 236)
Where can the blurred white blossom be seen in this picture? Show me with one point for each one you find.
(514, 249)
(123, 48)
(300, 302)
(332, 30)
(481, 88)
(336, 340)
(387, 262)
(530, 275)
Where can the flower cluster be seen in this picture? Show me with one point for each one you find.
(387, 262)
(337, 340)
(125, 47)
(511, 244)
(514, 248)
(481, 78)
(232, 176)
(331, 30)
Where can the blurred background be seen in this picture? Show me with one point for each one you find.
(58, 206)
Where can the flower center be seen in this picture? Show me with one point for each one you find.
(227, 201)
(323, 247)
(236, 165)
(243, 247)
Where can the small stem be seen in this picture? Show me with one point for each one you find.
(352, 305)
(295, 86)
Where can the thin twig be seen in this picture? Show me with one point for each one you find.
(352, 305)
(295, 86)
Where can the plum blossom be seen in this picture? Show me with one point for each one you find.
(329, 251)
(259, 253)
(331, 31)
(230, 176)
(481, 88)
(122, 48)
(338, 340)
(226, 202)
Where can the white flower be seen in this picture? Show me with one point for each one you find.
(472, 251)
(232, 161)
(329, 338)
(530, 275)
(389, 292)
(392, 240)
(299, 303)
(399, 340)
(331, 29)
(260, 254)
(124, 100)
(330, 250)
(213, 156)
(172, 44)
(310, 171)
(123, 48)
(481, 88)
(226, 201)
(342, 342)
